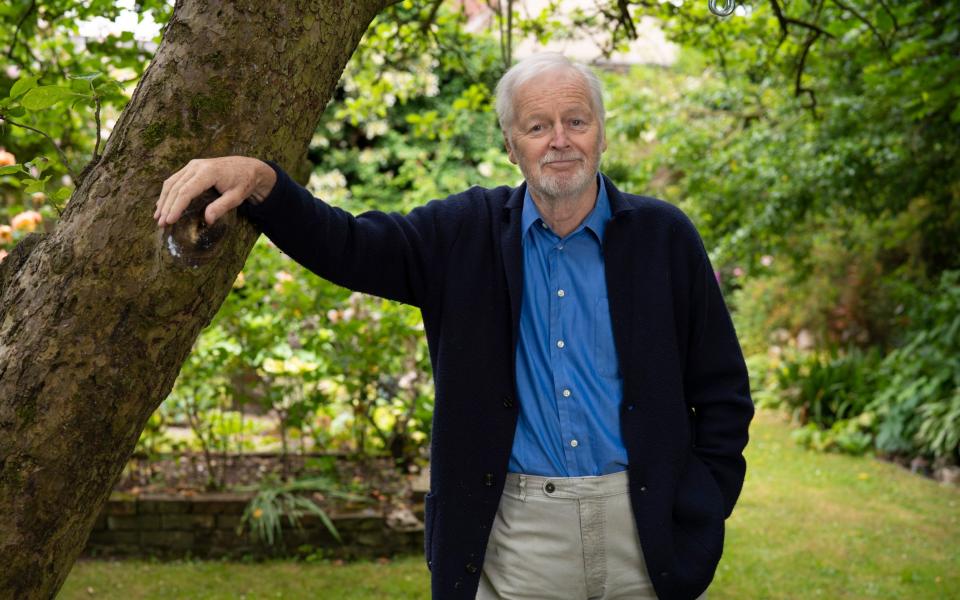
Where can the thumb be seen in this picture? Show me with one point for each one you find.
(230, 199)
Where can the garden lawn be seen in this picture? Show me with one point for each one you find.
(808, 525)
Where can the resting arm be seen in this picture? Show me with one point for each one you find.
(717, 386)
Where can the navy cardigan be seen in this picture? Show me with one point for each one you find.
(686, 401)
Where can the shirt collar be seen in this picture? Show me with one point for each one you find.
(596, 221)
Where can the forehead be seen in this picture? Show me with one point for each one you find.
(552, 91)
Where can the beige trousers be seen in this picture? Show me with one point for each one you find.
(565, 538)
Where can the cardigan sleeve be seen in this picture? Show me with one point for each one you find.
(385, 254)
(716, 384)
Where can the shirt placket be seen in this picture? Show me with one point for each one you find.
(559, 354)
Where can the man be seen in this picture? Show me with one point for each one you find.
(592, 401)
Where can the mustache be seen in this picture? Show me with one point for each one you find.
(559, 156)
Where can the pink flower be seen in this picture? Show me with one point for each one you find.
(27, 220)
(737, 272)
(766, 260)
(3, 254)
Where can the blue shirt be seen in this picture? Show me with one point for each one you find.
(568, 380)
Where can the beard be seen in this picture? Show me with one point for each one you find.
(558, 186)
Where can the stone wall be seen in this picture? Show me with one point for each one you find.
(206, 526)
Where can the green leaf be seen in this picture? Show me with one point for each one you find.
(10, 169)
(22, 85)
(33, 186)
(45, 96)
(87, 77)
(62, 194)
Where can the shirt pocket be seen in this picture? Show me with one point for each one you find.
(604, 351)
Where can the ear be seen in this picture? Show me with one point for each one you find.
(509, 148)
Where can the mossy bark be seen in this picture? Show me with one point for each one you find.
(97, 319)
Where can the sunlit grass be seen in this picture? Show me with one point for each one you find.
(807, 525)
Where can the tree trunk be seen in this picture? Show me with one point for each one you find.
(97, 317)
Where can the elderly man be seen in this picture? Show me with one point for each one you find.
(592, 401)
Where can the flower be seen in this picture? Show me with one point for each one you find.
(258, 513)
(7, 158)
(239, 281)
(737, 272)
(766, 260)
(6, 234)
(3, 254)
(27, 220)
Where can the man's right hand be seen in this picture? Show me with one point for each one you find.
(235, 177)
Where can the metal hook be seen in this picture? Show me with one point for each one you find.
(722, 8)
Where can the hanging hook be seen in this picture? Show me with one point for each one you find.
(722, 8)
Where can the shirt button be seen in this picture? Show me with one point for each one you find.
(566, 393)
(561, 293)
(574, 443)
(560, 344)
(543, 224)
(560, 247)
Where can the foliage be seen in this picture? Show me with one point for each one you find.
(919, 405)
(822, 390)
(264, 514)
(60, 93)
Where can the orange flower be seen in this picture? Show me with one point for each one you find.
(6, 234)
(3, 254)
(27, 220)
(6, 158)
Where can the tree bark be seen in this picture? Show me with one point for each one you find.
(97, 317)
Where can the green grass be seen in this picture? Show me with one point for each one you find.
(808, 525)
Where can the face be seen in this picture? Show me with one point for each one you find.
(556, 137)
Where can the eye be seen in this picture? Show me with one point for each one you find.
(578, 122)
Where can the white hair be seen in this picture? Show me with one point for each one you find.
(538, 64)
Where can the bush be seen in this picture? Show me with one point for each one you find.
(822, 390)
(918, 403)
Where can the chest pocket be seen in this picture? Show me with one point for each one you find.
(604, 351)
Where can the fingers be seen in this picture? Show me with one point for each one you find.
(168, 194)
(185, 190)
(165, 191)
(233, 198)
(232, 175)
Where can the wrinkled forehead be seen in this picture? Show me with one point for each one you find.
(558, 88)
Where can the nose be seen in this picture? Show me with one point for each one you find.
(559, 140)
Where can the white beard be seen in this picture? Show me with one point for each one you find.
(562, 185)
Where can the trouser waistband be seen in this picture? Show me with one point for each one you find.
(520, 486)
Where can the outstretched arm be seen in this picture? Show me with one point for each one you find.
(385, 254)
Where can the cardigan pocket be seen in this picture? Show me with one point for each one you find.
(429, 516)
(604, 351)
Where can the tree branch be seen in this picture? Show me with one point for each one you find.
(853, 11)
(798, 86)
(625, 19)
(63, 157)
(426, 23)
(16, 32)
(893, 17)
(786, 21)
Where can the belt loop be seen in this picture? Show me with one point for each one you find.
(523, 488)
